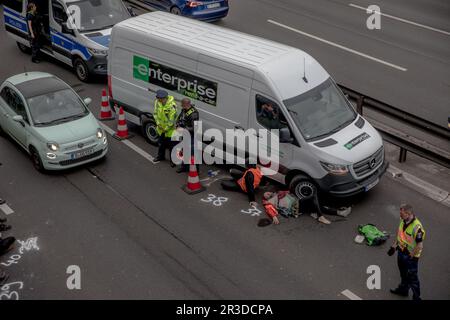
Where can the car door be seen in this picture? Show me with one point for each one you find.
(265, 113)
(5, 110)
(19, 131)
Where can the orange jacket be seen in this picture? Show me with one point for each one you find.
(257, 175)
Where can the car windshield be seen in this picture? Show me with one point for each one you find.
(321, 111)
(99, 14)
(56, 108)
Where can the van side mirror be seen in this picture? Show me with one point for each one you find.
(131, 11)
(66, 29)
(87, 101)
(285, 135)
(19, 119)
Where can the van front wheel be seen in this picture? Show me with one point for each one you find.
(81, 70)
(149, 131)
(302, 187)
(175, 10)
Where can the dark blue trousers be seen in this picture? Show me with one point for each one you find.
(409, 268)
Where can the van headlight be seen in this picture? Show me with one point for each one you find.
(97, 52)
(53, 146)
(100, 133)
(336, 169)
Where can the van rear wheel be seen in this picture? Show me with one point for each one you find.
(149, 131)
(302, 187)
(23, 48)
(81, 70)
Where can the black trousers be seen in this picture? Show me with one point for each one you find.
(163, 144)
(232, 185)
(35, 48)
(409, 268)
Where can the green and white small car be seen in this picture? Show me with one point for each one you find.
(47, 118)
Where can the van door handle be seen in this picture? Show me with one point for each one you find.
(239, 128)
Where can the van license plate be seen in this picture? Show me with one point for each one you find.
(213, 5)
(81, 154)
(371, 185)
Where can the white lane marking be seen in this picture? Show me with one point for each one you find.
(6, 209)
(130, 144)
(339, 46)
(403, 20)
(350, 295)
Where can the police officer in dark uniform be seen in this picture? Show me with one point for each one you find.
(34, 31)
(189, 114)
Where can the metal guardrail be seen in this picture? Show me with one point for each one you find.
(401, 139)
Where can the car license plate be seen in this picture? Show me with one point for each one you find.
(213, 5)
(371, 185)
(82, 153)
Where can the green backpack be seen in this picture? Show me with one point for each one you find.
(374, 237)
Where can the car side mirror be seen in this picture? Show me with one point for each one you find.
(19, 119)
(87, 101)
(131, 11)
(285, 135)
(66, 29)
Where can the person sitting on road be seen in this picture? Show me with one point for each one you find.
(246, 182)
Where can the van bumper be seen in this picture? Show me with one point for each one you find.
(346, 186)
(97, 65)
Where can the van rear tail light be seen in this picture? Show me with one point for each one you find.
(193, 4)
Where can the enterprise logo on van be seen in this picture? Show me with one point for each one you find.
(363, 136)
(174, 80)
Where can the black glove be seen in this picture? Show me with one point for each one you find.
(391, 251)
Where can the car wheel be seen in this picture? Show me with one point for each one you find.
(23, 48)
(302, 187)
(81, 70)
(175, 10)
(36, 159)
(149, 131)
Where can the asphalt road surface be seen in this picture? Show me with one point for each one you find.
(136, 235)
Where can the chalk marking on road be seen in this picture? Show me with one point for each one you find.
(350, 295)
(338, 46)
(6, 209)
(403, 20)
(425, 188)
(130, 144)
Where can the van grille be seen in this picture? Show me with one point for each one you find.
(370, 164)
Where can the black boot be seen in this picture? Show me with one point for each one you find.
(3, 278)
(158, 158)
(399, 292)
(6, 244)
(2, 201)
(4, 227)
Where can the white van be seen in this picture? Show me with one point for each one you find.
(81, 42)
(323, 141)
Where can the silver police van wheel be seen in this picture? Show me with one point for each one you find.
(302, 187)
(176, 10)
(81, 70)
(149, 131)
(23, 48)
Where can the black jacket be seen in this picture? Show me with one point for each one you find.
(187, 118)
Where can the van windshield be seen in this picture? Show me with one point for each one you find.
(321, 111)
(100, 14)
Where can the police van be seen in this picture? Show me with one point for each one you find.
(81, 41)
(238, 81)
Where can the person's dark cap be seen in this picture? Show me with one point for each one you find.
(161, 94)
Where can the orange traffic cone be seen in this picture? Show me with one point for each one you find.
(193, 185)
(122, 129)
(105, 110)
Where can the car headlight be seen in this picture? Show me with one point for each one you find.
(336, 169)
(98, 52)
(100, 133)
(53, 146)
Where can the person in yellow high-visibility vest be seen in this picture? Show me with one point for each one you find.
(165, 114)
(409, 244)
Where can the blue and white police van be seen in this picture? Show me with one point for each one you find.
(76, 32)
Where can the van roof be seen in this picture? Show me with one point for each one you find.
(219, 41)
